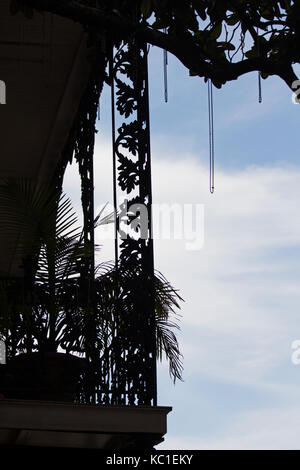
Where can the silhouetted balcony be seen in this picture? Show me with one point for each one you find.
(56, 398)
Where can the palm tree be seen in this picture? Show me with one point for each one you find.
(44, 310)
(49, 248)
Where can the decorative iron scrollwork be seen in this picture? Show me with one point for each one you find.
(136, 325)
(123, 370)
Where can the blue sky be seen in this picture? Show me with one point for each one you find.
(241, 290)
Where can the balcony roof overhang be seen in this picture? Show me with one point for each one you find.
(45, 68)
(65, 425)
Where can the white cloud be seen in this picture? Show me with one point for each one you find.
(242, 299)
(244, 106)
(270, 430)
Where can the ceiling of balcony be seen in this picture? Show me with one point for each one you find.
(44, 67)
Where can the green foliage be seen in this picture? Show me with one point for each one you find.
(50, 307)
(210, 37)
(125, 288)
(50, 251)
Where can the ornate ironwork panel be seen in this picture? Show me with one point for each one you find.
(122, 369)
(134, 344)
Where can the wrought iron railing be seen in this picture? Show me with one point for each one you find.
(120, 368)
(126, 373)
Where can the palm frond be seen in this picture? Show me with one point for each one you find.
(116, 284)
(49, 238)
(107, 219)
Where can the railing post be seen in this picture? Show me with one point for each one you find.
(136, 328)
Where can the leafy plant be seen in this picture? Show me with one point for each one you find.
(49, 308)
(119, 292)
(49, 250)
(213, 39)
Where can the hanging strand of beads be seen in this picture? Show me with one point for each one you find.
(259, 73)
(165, 61)
(259, 88)
(211, 138)
(113, 129)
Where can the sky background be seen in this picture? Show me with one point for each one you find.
(241, 290)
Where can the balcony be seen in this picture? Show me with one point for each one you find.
(50, 81)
